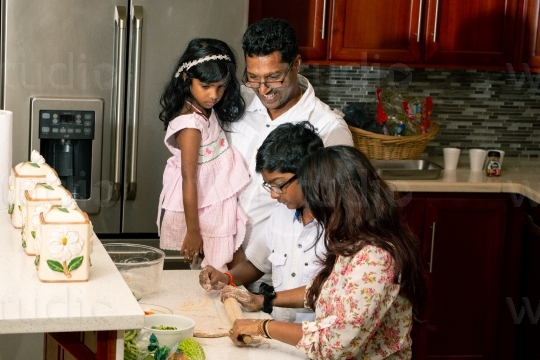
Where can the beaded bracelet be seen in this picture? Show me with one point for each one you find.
(231, 283)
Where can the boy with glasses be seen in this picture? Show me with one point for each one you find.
(275, 94)
(285, 248)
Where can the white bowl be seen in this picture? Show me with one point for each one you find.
(184, 328)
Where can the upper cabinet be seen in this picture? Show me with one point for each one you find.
(472, 32)
(419, 33)
(308, 17)
(376, 31)
(530, 54)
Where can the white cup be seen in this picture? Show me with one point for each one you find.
(501, 152)
(477, 158)
(451, 157)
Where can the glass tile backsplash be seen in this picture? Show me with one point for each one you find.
(475, 109)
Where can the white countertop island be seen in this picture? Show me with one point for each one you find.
(176, 287)
(104, 302)
(27, 305)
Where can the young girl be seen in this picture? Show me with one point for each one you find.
(371, 286)
(204, 176)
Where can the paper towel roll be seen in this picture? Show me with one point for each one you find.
(6, 138)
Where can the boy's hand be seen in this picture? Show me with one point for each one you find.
(212, 279)
(250, 301)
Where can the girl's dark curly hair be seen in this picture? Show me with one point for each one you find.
(268, 35)
(357, 208)
(231, 106)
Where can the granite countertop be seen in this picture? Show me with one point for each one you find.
(520, 177)
(177, 286)
(27, 305)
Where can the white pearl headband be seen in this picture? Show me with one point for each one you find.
(188, 65)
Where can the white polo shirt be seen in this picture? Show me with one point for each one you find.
(285, 249)
(248, 134)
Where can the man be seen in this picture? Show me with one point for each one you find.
(275, 94)
(287, 247)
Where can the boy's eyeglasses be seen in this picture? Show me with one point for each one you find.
(273, 84)
(278, 189)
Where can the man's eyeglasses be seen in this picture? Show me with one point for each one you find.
(278, 189)
(271, 83)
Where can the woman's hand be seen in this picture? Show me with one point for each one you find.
(192, 247)
(250, 301)
(212, 279)
(244, 327)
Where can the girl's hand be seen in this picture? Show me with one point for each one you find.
(250, 301)
(212, 279)
(244, 327)
(192, 247)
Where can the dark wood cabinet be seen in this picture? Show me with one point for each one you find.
(309, 18)
(527, 306)
(463, 248)
(471, 252)
(455, 33)
(440, 33)
(413, 210)
(530, 50)
(472, 32)
(376, 31)
(87, 345)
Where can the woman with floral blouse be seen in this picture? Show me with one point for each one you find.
(371, 287)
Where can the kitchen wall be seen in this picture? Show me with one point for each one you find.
(484, 109)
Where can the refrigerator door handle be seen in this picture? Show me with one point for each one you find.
(120, 18)
(135, 63)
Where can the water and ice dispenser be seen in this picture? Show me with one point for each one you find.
(66, 142)
(67, 132)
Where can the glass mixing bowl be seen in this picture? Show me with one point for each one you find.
(141, 266)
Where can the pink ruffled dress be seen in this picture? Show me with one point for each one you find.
(222, 175)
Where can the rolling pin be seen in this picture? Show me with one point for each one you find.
(233, 310)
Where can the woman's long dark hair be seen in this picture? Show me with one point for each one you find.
(357, 208)
(231, 106)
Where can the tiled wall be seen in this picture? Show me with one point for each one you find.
(484, 109)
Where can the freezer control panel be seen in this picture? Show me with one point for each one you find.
(67, 124)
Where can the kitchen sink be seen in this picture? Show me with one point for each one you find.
(407, 169)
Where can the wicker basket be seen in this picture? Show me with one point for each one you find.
(384, 147)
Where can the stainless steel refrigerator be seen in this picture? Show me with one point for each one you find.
(96, 68)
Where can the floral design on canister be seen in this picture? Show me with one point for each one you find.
(65, 247)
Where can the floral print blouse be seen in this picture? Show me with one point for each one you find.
(359, 313)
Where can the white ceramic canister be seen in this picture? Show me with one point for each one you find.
(49, 191)
(63, 243)
(23, 177)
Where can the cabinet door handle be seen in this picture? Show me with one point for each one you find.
(323, 19)
(419, 21)
(436, 21)
(432, 246)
